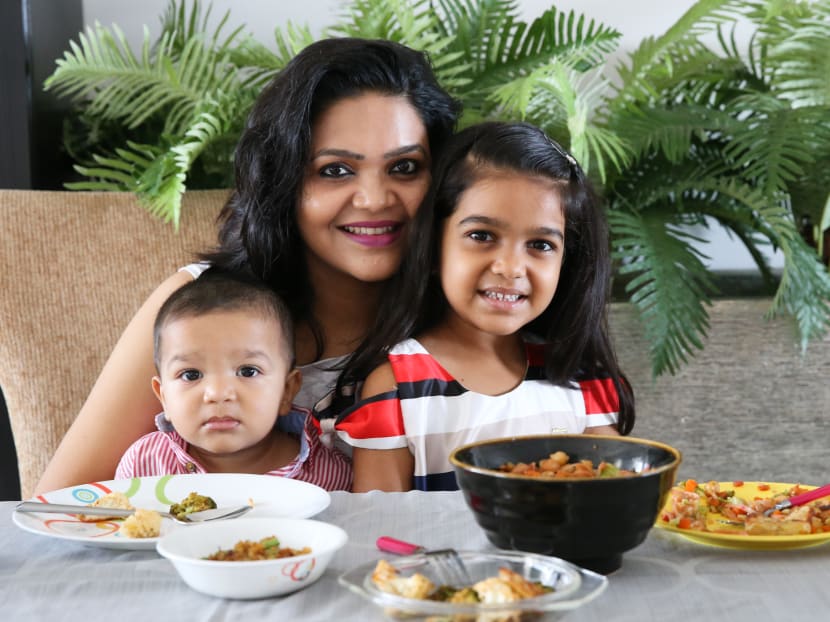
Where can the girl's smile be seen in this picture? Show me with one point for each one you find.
(503, 299)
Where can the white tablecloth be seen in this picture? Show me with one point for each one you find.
(666, 578)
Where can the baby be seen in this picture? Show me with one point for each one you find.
(224, 356)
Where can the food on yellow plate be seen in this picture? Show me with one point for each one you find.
(558, 465)
(142, 524)
(507, 587)
(796, 522)
(117, 500)
(691, 506)
(193, 502)
(249, 550)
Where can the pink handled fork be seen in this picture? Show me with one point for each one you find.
(800, 499)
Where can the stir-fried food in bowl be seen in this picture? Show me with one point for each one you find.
(256, 550)
(621, 477)
(559, 465)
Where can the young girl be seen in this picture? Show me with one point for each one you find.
(224, 357)
(333, 163)
(510, 332)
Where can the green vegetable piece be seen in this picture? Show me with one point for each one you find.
(272, 542)
(609, 470)
(192, 503)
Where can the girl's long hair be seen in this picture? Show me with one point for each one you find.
(574, 327)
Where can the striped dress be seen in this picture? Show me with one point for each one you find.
(432, 414)
(165, 453)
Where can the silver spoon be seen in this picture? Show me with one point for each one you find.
(189, 519)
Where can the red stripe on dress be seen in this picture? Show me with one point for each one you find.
(600, 396)
(417, 367)
(379, 419)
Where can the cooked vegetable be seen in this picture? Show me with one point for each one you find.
(558, 466)
(248, 550)
(192, 503)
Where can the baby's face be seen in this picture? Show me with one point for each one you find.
(223, 379)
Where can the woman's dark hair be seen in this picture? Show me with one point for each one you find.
(574, 327)
(259, 229)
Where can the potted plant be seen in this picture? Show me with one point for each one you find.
(688, 135)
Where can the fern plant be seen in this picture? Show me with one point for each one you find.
(688, 134)
(729, 136)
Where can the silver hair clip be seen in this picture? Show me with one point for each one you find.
(557, 147)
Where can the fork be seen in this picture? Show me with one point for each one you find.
(804, 497)
(447, 563)
(189, 519)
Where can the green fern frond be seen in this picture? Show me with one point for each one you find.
(669, 287)
(561, 100)
(654, 59)
(499, 47)
(804, 289)
(802, 58)
(670, 131)
(119, 87)
(410, 22)
(771, 141)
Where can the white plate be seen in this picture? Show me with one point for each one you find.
(270, 495)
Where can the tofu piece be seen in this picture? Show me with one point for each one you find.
(112, 500)
(142, 524)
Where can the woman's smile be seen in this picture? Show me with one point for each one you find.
(368, 173)
(374, 234)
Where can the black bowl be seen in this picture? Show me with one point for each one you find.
(588, 521)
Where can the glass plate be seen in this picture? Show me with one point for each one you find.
(733, 537)
(270, 495)
(574, 586)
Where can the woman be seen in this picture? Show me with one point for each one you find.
(330, 169)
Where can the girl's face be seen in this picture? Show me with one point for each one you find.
(224, 378)
(501, 253)
(369, 171)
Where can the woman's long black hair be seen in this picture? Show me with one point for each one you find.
(574, 327)
(259, 232)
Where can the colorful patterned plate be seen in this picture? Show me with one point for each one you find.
(271, 496)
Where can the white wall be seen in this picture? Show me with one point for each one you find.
(635, 19)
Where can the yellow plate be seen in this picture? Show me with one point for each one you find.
(724, 535)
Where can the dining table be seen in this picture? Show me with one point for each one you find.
(667, 577)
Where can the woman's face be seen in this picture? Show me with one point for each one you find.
(367, 174)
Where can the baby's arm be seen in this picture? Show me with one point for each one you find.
(389, 470)
(120, 407)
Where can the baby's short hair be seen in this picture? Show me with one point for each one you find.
(220, 290)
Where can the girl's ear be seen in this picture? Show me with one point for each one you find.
(293, 382)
